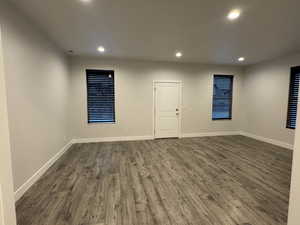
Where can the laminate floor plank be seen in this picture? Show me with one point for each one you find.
(224, 180)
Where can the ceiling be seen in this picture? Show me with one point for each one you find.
(156, 29)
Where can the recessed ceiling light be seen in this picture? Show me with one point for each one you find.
(178, 54)
(241, 59)
(234, 14)
(85, 1)
(101, 49)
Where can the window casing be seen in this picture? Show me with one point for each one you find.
(293, 98)
(100, 96)
(222, 97)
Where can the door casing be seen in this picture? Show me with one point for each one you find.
(7, 201)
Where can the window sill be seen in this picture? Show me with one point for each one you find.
(291, 128)
(221, 118)
(101, 123)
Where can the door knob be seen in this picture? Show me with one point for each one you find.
(177, 110)
(177, 114)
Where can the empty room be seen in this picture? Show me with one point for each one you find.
(118, 112)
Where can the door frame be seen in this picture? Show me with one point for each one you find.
(179, 82)
(7, 200)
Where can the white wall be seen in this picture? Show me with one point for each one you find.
(37, 90)
(7, 207)
(294, 204)
(134, 97)
(47, 102)
(266, 90)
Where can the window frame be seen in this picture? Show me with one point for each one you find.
(112, 72)
(294, 70)
(231, 77)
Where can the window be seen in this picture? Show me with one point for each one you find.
(100, 96)
(222, 98)
(293, 98)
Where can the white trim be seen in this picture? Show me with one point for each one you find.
(167, 81)
(2, 222)
(21, 190)
(184, 135)
(210, 134)
(224, 133)
(8, 214)
(111, 139)
(268, 140)
(154, 104)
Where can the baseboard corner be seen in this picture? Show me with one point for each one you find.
(268, 140)
(34, 178)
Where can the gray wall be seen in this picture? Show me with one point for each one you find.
(37, 82)
(266, 89)
(134, 97)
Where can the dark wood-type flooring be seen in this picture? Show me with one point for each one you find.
(228, 180)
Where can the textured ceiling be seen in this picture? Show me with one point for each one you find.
(156, 29)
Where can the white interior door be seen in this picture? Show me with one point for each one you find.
(167, 109)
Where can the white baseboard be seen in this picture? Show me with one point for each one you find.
(112, 139)
(138, 138)
(224, 133)
(268, 140)
(207, 134)
(21, 190)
